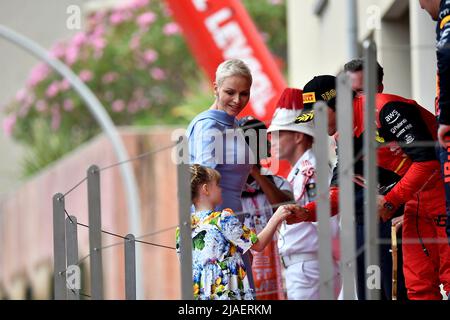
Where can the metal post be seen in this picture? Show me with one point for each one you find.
(95, 236)
(130, 267)
(326, 290)
(370, 173)
(346, 187)
(59, 247)
(73, 289)
(184, 214)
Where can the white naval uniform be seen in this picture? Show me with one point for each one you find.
(298, 244)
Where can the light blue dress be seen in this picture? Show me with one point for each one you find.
(229, 155)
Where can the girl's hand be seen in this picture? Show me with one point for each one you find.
(299, 214)
(282, 213)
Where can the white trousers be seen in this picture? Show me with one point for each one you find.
(303, 280)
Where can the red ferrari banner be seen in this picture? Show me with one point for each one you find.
(267, 273)
(222, 29)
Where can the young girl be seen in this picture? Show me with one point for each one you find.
(219, 240)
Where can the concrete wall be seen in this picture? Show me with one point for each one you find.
(26, 236)
(404, 34)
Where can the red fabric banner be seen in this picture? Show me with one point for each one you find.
(222, 29)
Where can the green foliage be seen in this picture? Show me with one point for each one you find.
(136, 62)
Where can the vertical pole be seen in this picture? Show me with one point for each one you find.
(370, 173)
(352, 29)
(326, 290)
(59, 247)
(73, 292)
(184, 214)
(346, 187)
(130, 267)
(95, 236)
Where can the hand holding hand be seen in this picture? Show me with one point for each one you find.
(282, 213)
(298, 214)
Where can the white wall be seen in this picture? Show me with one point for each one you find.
(313, 48)
(404, 35)
(423, 56)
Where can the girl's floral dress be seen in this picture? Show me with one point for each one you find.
(218, 241)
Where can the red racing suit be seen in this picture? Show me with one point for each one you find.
(402, 125)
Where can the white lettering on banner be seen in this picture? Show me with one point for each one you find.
(200, 5)
(263, 274)
(230, 38)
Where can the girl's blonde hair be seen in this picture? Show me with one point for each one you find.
(232, 67)
(201, 175)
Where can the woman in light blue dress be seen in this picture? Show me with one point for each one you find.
(214, 138)
(216, 141)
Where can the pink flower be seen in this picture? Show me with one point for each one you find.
(68, 105)
(28, 101)
(52, 89)
(23, 111)
(133, 106)
(56, 118)
(79, 39)
(58, 50)
(98, 43)
(118, 106)
(171, 28)
(157, 73)
(140, 3)
(41, 106)
(146, 19)
(110, 77)
(72, 53)
(8, 124)
(85, 75)
(116, 18)
(150, 56)
(64, 85)
(134, 42)
(98, 31)
(21, 95)
(38, 73)
(97, 16)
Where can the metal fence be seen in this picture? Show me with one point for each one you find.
(65, 225)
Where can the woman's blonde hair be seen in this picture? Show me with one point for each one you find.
(232, 67)
(201, 175)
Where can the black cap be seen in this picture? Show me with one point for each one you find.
(320, 88)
